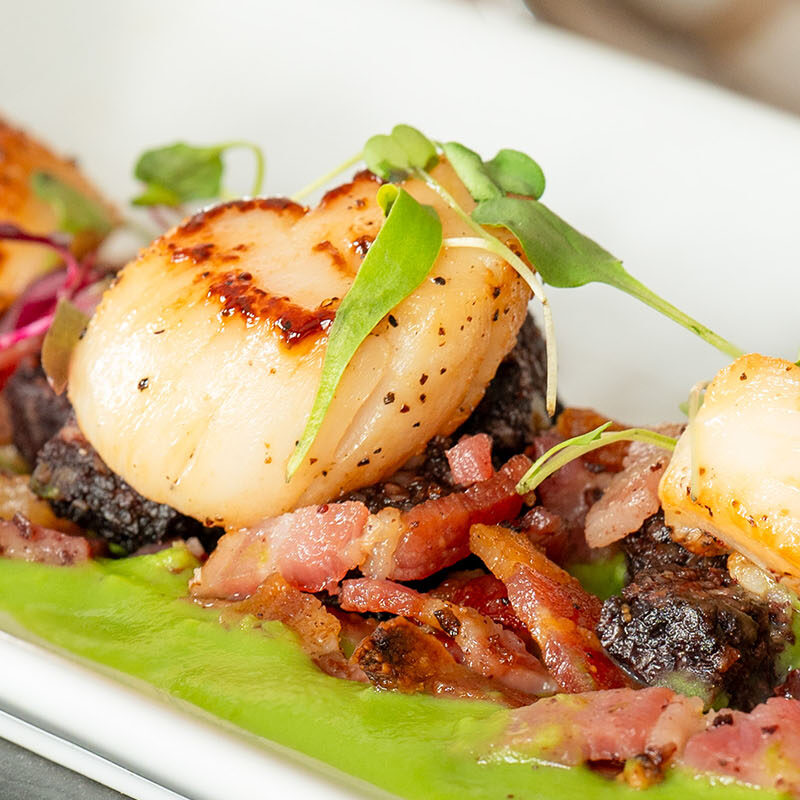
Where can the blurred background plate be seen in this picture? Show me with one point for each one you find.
(695, 188)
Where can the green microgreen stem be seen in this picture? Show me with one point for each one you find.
(566, 451)
(326, 178)
(487, 241)
(261, 163)
(626, 282)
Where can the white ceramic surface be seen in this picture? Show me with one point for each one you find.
(695, 188)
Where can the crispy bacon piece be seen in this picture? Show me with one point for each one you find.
(560, 615)
(485, 594)
(435, 534)
(632, 495)
(761, 748)
(486, 647)
(313, 548)
(20, 539)
(651, 725)
(471, 459)
(303, 613)
(401, 656)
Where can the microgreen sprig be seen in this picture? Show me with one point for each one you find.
(487, 241)
(566, 258)
(407, 152)
(398, 261)
(570, 449)
(180, 172)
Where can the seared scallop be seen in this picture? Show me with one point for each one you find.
(197, 373)
(20, 158)
(744, 446)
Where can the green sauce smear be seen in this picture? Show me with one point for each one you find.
(133, 616)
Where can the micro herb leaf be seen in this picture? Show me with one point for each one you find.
(385, 157)
(181, 172)
(76, 212)
(566, 451)
(566, 258)
(419, 148)
(472, 171)
(397, 262)
(392, 156)
(68, 324)
(516, 173)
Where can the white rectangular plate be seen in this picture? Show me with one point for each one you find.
(696, 189)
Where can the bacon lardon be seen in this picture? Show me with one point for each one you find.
(607, 726)
(485, 594)
(761, 748)
(632, 495)
(471, 459)
(436, 533)
(486, 648)
(401, 656)
(20, 539)
(318, 630)
(560, 615)
(315, 547)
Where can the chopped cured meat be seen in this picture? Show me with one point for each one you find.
(355, 628)
(436, 534)
(632, 495)
(486, 647)
(576, 421)
(401, 656)
(560, 615)
(303, 613)
(761, 748)
(572, 490)
(607, 726)
(485, 594)
(547, 531)
(22, 540)
(313, 548)
(471, 460)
